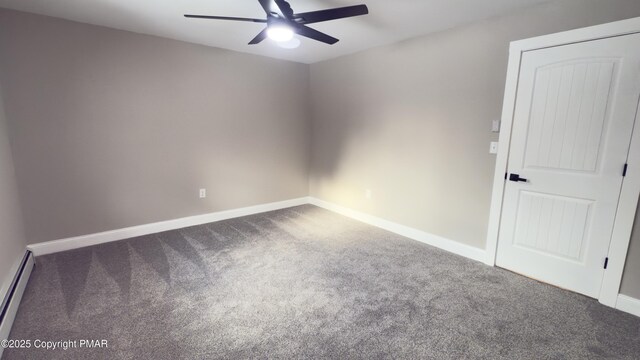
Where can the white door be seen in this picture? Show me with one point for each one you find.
(572, 125)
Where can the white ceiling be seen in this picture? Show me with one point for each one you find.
(388, 21)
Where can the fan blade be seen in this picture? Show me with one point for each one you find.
(258, 39)
(280, 7)
(315, 35)
(285, 8)
(225, 18)
(331, 14)
(266, 5)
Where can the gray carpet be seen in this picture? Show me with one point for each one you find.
(304, 283)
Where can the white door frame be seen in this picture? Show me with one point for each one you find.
(631, 185)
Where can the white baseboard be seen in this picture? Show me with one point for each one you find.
(54, 246)
(406, 231)
(24, 272)
(624, 303)
(628, 304)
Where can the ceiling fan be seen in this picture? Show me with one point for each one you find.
(283, 23)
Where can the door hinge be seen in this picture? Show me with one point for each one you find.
(624, 170)
(606, 262)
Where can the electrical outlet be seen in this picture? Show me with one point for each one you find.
(203, 193)
(367, 193)
(493, 149)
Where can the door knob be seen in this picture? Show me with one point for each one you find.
(516, 178)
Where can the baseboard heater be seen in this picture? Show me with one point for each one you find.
(12, 299)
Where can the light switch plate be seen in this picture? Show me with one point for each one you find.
(495, 126)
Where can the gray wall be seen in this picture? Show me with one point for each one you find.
(631, 279)
(411, 121)
(111, 129)
(12, 240)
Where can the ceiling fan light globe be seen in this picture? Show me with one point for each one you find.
(294, 43)
(280, 33)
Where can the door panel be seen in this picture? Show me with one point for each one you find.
(563, 94)
(555, 225)
(572, 125)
